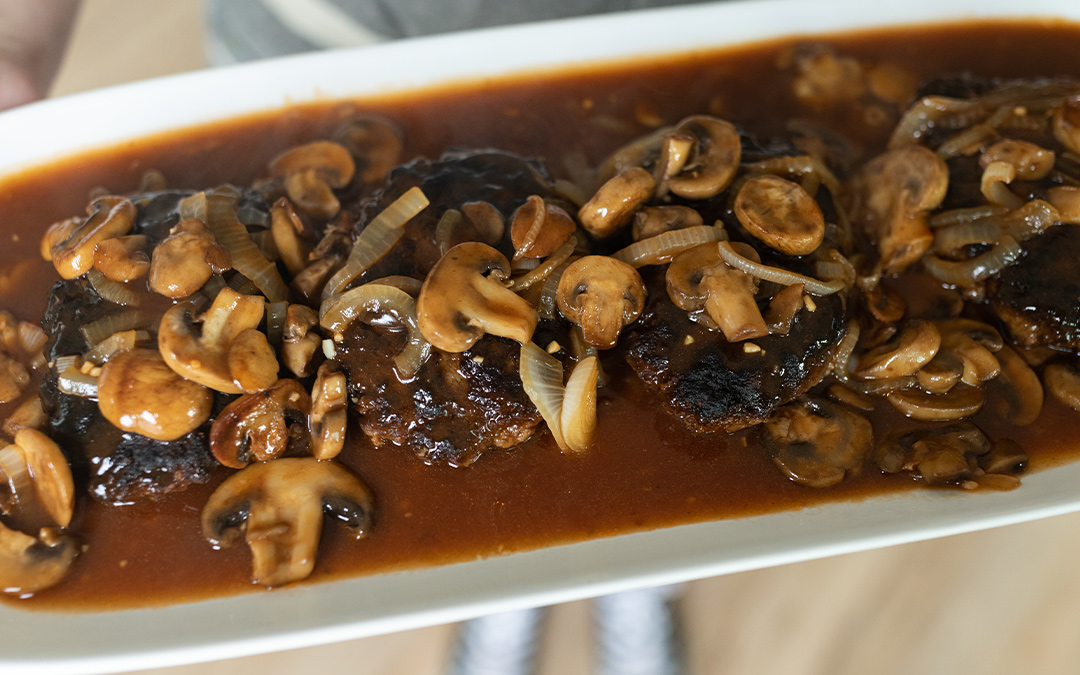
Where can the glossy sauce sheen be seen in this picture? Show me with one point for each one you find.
(646, 471)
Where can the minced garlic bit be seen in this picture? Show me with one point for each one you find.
(329, 349)
(478, 359)
(553, 347)
(688, 340)
(809, 303)
(751, 348)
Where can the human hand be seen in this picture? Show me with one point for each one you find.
(33, 35)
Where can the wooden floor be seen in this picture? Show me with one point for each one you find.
(995, 603)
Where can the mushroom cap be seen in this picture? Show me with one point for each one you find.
(328, 420)
(464, 297)
(107, 217)
(916, 345)
(331, 162)
(937, 455)
(538, 229)
(203, 356)
(892, 195)
(712, 167)
(615, 203)
(278, 508)
(781, 214)
(655, 220)
(39, 459)
(1019, 393)
(376, 142)
(139, 392)
(183, 262)
(1029, 161)
(817, 442)
(29, 564)
(255, 427)
(601, 295)
(122, 259)
(700, 279)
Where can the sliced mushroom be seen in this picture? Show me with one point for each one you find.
(122, 259)
(538, 229)
(28, 415)
(916, 345)
(655, 220)
(960, 402)
(826, 79)
(58, 232)
(942, 455)
(186, 259)
(107, 217)
(138, 392)
(615, 203)
(714, 161)
(783, 308)
(781, 214)
(255, 427)
(601, 295)
(37, 477)
(486, 220)
(329, 409)
(816, 442)
(464, 297)
(300, 346)
(29, 564)
(699, 279)
(891, 197)
(312, 172)
(1029, 161)
(204, 356)
(375, 142)
(288, 232)
(14, 377)
(1063, 381)
(252, 362)
(278, 506)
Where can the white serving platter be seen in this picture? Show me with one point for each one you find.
(44, 642)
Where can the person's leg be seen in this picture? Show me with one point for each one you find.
(499, 644)
(638, 633)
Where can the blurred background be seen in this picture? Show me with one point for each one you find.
(999, 602)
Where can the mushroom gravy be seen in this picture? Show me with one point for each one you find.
(645, 470)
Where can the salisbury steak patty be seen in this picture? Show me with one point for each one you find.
(1038, 298)
(457, 406)
(711, 384)
(502, 179)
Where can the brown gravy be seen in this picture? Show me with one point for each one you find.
(646, 471)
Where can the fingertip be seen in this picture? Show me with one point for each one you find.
(16, 87)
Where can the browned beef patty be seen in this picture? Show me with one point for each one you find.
(711, 384)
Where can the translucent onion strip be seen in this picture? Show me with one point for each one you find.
(578, 416)
(246, 257)
(275, 321)
(1029, 220)
(547, 306)
(967, 273)
(77, 383)
(541, 376)
(123, 341)
(775, 274)
(377, 239)
(338, 313)
(662, 248)
(966, 215)
(112, 291)
(96, 331)
(544, 271)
